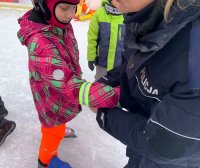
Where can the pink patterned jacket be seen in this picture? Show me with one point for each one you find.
(55, 73)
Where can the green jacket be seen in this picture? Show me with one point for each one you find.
(105, 38)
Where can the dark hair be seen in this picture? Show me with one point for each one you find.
(41, 7)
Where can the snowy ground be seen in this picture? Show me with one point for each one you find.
(92, 149)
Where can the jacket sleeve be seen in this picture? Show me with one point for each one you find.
(92, 48)
(171, 134)
(99, 95)
(50, 72)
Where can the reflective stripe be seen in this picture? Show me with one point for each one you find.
(84, 93)
(81, 93)
(193, 138)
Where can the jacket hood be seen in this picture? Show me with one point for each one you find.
(29, 28)
(110, 9)
(105, 2)
(51, 6)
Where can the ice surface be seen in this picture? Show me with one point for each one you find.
(92, 149)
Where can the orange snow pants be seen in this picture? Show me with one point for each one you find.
(51, 138)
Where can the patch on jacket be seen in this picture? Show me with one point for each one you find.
(146, 86)
(58, 74)
(194, 56)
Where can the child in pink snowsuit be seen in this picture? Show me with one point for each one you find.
(55, 73)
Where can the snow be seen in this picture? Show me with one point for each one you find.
(92, 149)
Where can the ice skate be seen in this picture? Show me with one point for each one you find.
(70, 133)
(57, 163)
(42, 165)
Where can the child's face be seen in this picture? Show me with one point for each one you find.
(126, 6)
(65, 12)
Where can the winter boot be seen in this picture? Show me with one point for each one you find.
(57, 163)
(70, 133)
(3, 113)
(42, 165)
(3, 110)
(6, 129)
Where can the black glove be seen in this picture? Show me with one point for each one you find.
(102, 119)
(91, 65)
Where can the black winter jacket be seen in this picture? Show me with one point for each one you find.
(160, 91)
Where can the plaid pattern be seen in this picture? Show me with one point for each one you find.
(55, 73)
(99, 95)
(103, 96)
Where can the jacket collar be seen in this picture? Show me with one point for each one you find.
(157, 39)
(112, 10)
(139, 50)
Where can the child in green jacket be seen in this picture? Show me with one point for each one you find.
(105, 39)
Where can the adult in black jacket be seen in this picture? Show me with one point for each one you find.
(160, 85)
